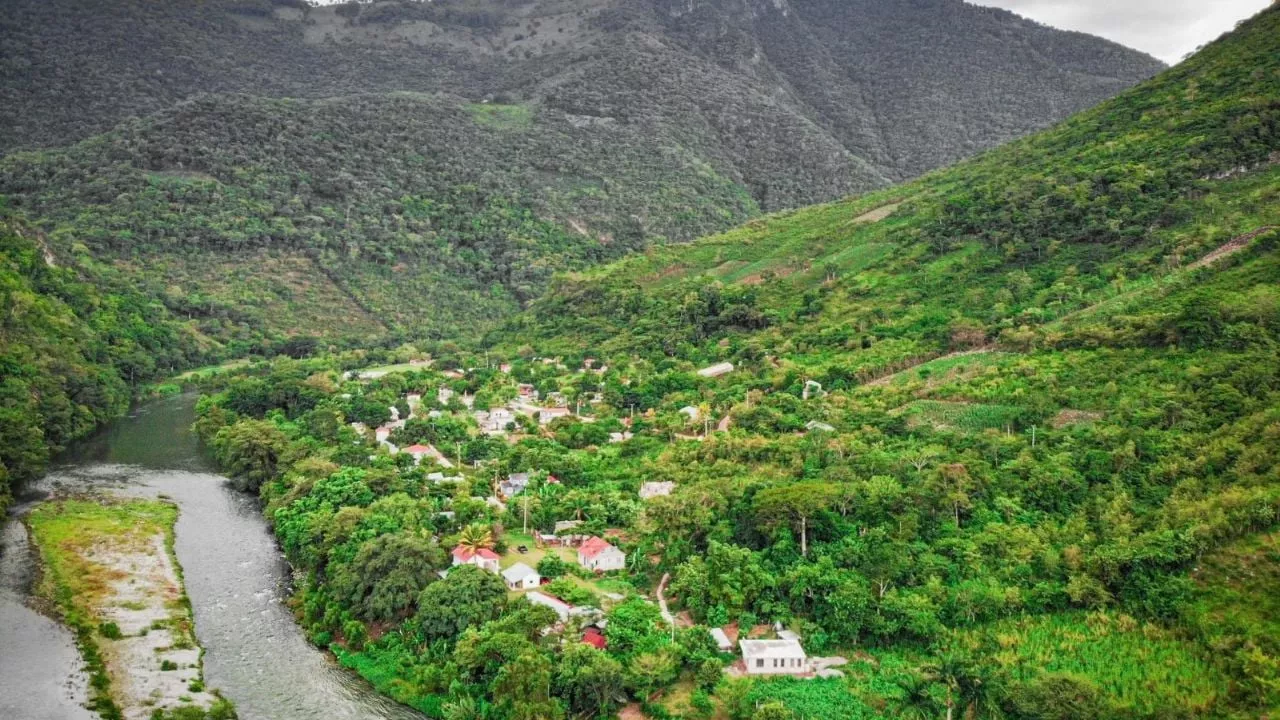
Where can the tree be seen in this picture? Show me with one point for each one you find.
(523, 688)
(917, 701)
(590, 682)
(388, 573)
(250, 450)
(794, 505)
(467, 596)
(476, 537)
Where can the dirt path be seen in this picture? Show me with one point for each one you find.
(879, 213)
(1231, 248)
(662, 599)
(886, 379)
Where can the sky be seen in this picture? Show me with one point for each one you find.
(1167, 29)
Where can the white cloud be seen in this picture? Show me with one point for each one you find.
(1168, 29)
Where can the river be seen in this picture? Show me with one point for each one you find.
(235, 575)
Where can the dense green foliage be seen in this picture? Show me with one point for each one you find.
(1050, 380)
(420, 169)
(72, 351)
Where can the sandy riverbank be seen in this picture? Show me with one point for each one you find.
(109, 569)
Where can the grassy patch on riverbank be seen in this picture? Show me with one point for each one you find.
(109, 569)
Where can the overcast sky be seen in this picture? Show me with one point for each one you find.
(1168, 29)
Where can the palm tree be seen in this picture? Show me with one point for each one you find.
(917, 701)
(969, 686)
(579, 504)
(464, 708)
(476, 537)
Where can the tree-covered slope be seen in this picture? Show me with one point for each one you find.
(411, 168)
(1118, 196)
(72, 351)
(889, 89)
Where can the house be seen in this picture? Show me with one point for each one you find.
(504, 368)
(484, 558)
(418, 452)
(812, 388)
(618, 437)
(514, 484)
(656, 489)
(598, 555)
(444, 395)
(690, 412)
(521, 577)
(454, 374)
(496, 420)
(814, 425)
(558, 399)
(547, 414)
(595, 638)
(721, 639)
(563, 526)
(562, 608)
(774, 657)
(716, 370)
(526, 390)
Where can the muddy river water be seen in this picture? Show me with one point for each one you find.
(236, 578)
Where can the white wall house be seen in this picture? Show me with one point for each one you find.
(483, 558)
(521, 577)
(774, 657)
(716, 370)
(598, 555)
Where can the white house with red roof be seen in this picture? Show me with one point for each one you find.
(599, 555)
(419, 451)
(484, 558)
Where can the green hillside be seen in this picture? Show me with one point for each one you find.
(363, 171)
(73, 351)
(1116, 199)
(1040, 478)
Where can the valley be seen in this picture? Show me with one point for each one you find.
(535, 386)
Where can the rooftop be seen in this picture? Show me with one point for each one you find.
(752, 649)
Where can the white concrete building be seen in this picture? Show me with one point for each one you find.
(716, 370)
(598, 555)
(521, 577)
(722, 640)
(656, 489)
(774, 657)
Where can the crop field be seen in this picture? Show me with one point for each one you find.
(962, 416)
(1142, 667)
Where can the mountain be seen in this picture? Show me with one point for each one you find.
(1024, 235)
(397, 169)
(1006, 438)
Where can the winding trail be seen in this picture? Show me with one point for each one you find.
(661, 592)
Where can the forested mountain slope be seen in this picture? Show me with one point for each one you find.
(890, 88)
(435, 162)
(73, 346)
(1116, 197)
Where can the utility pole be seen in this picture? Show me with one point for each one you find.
(1033, 436)
(526, 513)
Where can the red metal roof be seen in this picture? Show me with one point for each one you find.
(464, 554)
(594, 638)
(593, 547)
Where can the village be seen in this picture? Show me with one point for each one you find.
(575, 570)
